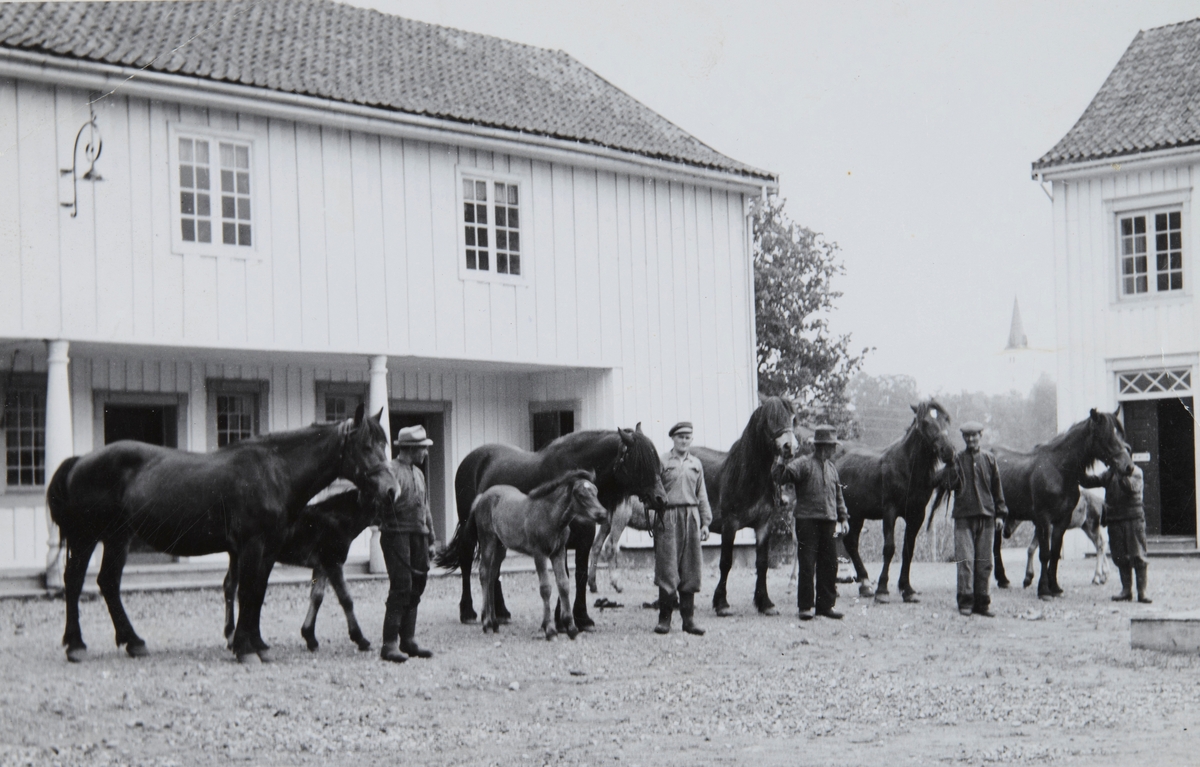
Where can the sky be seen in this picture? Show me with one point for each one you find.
(902, 131)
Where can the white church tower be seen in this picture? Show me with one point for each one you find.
(1021, 365)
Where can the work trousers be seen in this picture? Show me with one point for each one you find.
(816, 553)
(1127, 542)
(406, 556)
(973, 541)
(677, 560)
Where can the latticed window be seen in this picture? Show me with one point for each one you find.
(214, 192)
(1155, 382)
(1151, 239)
(235, 417)
(491, 226)
(25, 436)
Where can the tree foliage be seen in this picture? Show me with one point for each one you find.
(798, 357)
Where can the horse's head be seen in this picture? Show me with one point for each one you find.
(364, 458)
(585, 500)
(1107, 441)
(638, 469)
(775, 421)
(932, 422)
(379, 486)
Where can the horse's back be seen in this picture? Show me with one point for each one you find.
(489, 465)
(860, 470)
(500, 510)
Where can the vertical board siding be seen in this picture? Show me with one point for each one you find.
(10, 209)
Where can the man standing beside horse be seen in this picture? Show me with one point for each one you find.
(406, 537)
(820, 517)
(1125, 515)
(978, 510)
(681, 526)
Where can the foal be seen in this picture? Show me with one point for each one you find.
(537, 524)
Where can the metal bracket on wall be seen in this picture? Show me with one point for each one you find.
(91, 153)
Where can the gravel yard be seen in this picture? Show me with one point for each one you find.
(1043, 683)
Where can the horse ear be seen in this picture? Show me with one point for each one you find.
(379, 417)
(626, 436)
(1095, 416)
(358, 413)
(914, 408)
(638, 428)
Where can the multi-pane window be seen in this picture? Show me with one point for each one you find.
(1148, 239)
(491, 226)
(235, 417)
(202, 165)
(339, 407)
(25, 436)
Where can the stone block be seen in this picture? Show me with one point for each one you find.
(1178, 632)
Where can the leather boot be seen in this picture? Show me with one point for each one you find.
(983, 606)
(1141, 584)
(687, 611)
(665, 606)
(1126, 594)
(408, 630)
(391, 636)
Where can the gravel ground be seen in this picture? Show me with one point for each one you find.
(1044, 683)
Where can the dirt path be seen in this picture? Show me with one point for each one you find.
(892, 684)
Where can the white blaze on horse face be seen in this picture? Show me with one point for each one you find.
(787, 444)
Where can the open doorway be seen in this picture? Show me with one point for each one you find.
(1162, 435)
(434, 422)
(155, 425)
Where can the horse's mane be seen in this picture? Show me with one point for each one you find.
(921, 411)
(747, 470)
(641, 459)
(1058, 440)
(285, 439)
(568, 478)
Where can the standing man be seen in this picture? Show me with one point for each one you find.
(820, 517)
(680, 528)
(978, 510)
(1126, 519)
(406, 537)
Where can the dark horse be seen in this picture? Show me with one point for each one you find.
(241, 499)
(1043, 485)
(741, 492)
(895, 483)
(625, 463)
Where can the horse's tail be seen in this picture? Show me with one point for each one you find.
(57, 494)
(461, 548)
(941, 496)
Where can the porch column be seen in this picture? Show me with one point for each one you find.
(60, 444)
(377, 397)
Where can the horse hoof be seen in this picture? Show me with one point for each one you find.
(363, 646)
(723, 612)
(250, 658)
(76, 654)
(572, 633)
(550, 634)
(1002, 584)
(866, 591)
(588, 629)
(882, 598)
(266, 656)
(584, 623)
(592, 587)
(136, 650)
(467, 616)
(911, 598)
(1045, 597)
(770, 611)
(504, 620)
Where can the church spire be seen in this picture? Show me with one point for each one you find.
(1016, 332)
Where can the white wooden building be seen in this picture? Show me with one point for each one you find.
(302, 205)
(1128, 324)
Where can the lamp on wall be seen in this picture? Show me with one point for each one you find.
(91, 153)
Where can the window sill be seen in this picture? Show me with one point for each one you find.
(1152, 299)
(501, 279)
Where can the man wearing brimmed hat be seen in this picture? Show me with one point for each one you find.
(820, 517)
(680, 528)
(406, 537)
(978, 510)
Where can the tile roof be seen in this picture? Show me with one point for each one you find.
(344, 53)
(1148, 102)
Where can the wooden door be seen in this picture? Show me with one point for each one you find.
(1141, 431)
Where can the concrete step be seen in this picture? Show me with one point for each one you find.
(1178, 633)
(1171, 546)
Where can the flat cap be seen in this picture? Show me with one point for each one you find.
(971, 427)
(682, 426)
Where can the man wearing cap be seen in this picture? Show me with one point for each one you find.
(978, 510)
(1125, 516)
(406, 537)
(680, 528)
(820, 517)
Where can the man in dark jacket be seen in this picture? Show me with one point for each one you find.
(820, 516)
(978, 510)
(406, 537)
(1125, 516)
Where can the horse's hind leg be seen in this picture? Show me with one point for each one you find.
(889, 551)
(720, 599)
(1091, 528)
(337, 578)
(594, 559)
(547, 590)
(762, 559)
(998, 558)
(316, 595)
(109, 581)
(78, 556)
(254, 569)
(583, 550)
(1030, 553)
(860, 571)
(1056, 540)
(230, 589)
(1045, 592)
(466, 547)
(620, 520)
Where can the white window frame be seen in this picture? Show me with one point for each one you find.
(525, 207)
(259, 173)
(257, 389)
(1149, 205)
(27, 382)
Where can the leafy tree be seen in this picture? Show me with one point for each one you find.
(797, 355)
(882, 406)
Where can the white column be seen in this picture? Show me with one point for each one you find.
(377, 398)
(60, 444)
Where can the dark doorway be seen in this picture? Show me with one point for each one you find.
(435, 470)
(1162, 431)
(153, 424)
(549, 425)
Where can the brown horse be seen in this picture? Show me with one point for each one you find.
(538, 524)
(891, 484)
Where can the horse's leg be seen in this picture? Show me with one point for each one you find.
(254, 568)
(998, 558)
(583, 549)
(762, 555)
(1043, 535)
(230, 589)
(850, 541)
(499, 609)
(1030, 553)
(559, 563)
(1091, 528)
(466, 556)
(912, 527)
(337, 578)
(720, 600)
(116, 549)
(546, 589)
(889, 550)
(620, 520)
(486, 586)
(78, 556)
(316, 595)
(597, 554)
(1055, 554)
